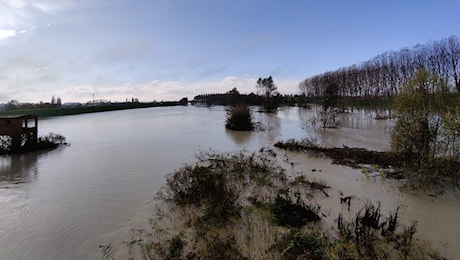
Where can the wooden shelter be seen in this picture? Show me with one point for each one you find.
(21, 128)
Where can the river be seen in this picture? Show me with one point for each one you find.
(64, 203)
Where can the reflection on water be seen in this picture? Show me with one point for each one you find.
(71, 200)
(18, 169)
(240, 137)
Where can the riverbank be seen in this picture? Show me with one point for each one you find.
(85, 109)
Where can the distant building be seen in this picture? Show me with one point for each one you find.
(22, 129)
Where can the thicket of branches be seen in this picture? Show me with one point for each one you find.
(385, 74)
(426, 135)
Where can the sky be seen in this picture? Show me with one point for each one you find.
(169, 49)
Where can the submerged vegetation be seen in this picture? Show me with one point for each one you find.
(239, 118)
(52, 140)
(350, 156)
(245, 206)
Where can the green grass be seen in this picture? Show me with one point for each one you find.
(65, 111)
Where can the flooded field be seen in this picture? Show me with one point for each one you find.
(64, 203)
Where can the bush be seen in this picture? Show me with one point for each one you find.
(305, 245)
(426, 131)
(239, 119)
(360, 238)
(53, 138)
(419, 115)
(290, 214)
(202, 186)
(176, 246)
(5, 144)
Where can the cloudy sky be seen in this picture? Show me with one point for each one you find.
(169, 49)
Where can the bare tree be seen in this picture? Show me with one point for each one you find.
(385, 74)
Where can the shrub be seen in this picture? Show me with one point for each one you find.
(426, 131)
(305, 245)
(360, 238)
(419, 108)
(290, 214)
(176, 246)
(202, 186)
(220, 248)
(5, 144)
(53, 138)
(239, 119)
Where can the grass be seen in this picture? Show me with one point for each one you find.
(64, 111)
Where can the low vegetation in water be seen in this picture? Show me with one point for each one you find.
(245, 206)
(350, 156)
(51, 140)
(239, 118)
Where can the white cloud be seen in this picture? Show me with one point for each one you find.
(50, 6)
(159, 90)
(17, 14)
(7, 33)
(169, 90)
(41, 69)
(15, 3)
(4, 34)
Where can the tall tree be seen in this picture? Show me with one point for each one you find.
(267, 88)
(385, 74)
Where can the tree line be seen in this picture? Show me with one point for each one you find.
(14, 104)
(384, 75)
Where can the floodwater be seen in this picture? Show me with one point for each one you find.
(63, 204)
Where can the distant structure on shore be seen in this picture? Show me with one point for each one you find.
(22, 129)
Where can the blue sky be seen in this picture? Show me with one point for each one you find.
(169, 49)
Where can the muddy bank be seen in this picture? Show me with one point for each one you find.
(349, 156)
(439, 174)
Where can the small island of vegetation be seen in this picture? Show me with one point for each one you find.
(239, 118)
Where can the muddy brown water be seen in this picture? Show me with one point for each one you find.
(63, 204)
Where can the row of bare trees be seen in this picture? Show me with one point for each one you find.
(385, 74)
